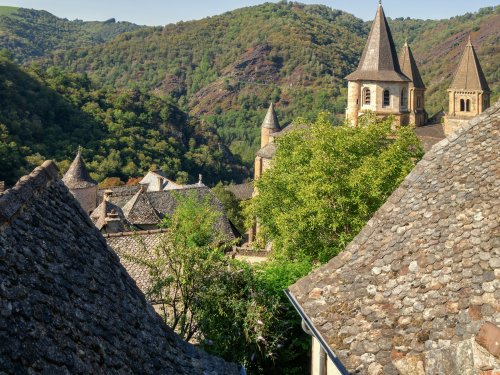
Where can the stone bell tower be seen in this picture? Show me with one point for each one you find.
(378, 85)
(469, 93)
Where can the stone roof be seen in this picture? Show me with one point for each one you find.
(98, 216)
(242, 192)
(379, 61)
(165, 202)
(430, 134)
(409, 67)
(268, 151)
(469, 75)
(271, 120)
(139, 210)
(77, 176)
(67, 305)
(423, 274)
(135, 244)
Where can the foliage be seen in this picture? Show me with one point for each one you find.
(124, 133)
(228, 68)
(30, 33)
(231, 206)
(231, 308)
(327, 181)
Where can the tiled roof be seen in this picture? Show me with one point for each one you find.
(409, 67)
(271, 120)
(469, 75)
(379, 61)
(424, 271)
(77, 176)
(242, 192)
(67, 305)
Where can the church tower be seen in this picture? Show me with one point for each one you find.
(269, 126)
(469, 93)
(378, 85)
(80, 184)
(416, 92)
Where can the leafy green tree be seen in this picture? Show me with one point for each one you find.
(327, 181)
(231, 206)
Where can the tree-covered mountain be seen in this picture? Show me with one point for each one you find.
(227, 68)
(29, 33)
(48, 114)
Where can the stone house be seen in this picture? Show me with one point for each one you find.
(67, 305)
(417, 291)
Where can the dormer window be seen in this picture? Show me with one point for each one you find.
(366, 96)
(387, 98)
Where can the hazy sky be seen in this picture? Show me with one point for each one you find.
(161, 12)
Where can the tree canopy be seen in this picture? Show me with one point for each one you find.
(327, 181)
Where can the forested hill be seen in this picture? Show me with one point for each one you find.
(227, 68)
(29, 33)
(48, 114)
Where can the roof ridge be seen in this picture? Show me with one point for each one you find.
(14, 200)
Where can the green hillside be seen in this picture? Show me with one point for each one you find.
(124, 134)
(29, 33)
(227, 68)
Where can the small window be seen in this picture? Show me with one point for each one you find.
(485, 104)
(404, 98)
(462, 105)
(467, 106)
(387, 98)
(366, 96)
(419, 101)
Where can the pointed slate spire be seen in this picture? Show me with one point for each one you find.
(77, 176)
(409, 67)
(379, 61)
(271, 120)
(469, 75)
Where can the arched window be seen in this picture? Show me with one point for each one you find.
(467, 106)
(404, 98)
(366, 96)
(387, 98)
(462, 105)
(419, 101)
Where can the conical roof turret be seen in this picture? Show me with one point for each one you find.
(271, 120)
(409, 67)
(379, 61)
(77, 176)
(469, 75)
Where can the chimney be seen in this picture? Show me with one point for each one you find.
(2, 186)
(113, 222)
(108, 194)
(200, 179)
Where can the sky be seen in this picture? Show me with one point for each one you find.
(161, 12)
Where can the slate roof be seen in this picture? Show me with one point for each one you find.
(271, 120)
(77, 176)
(429, 135)
(242, 192)
(469, 75)
(136, 244)
(164, 203)
(139, 210)
(424, 271)
(268, 151)
(67, 305)
(379, 61)
(409, 67)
